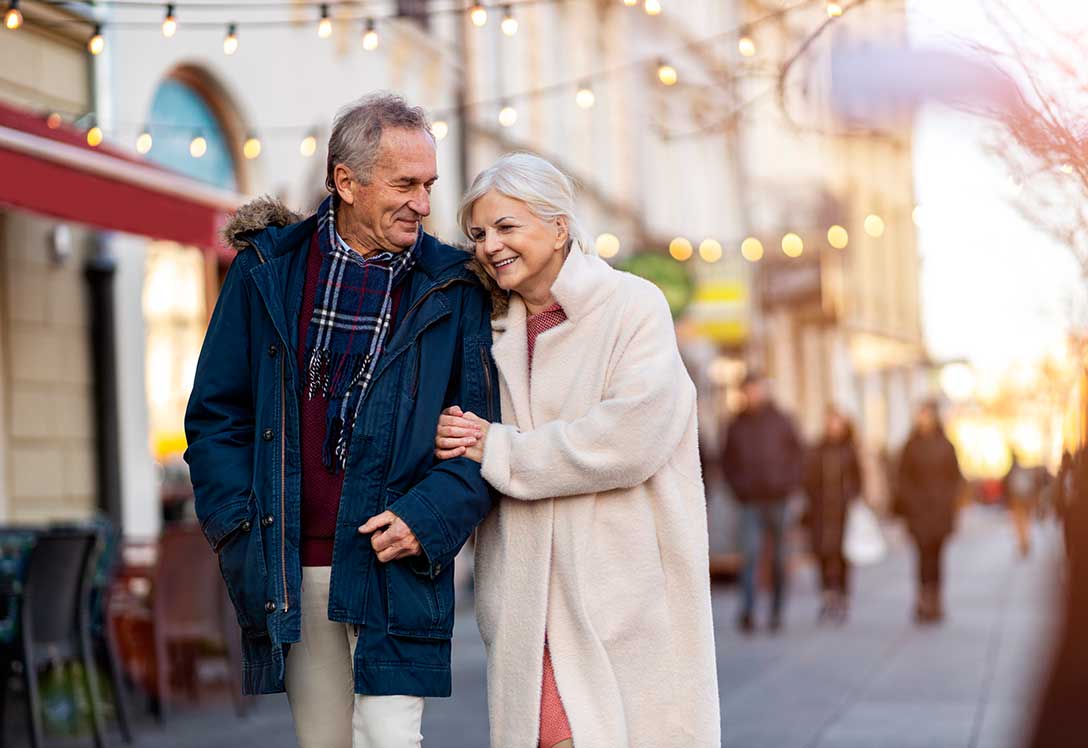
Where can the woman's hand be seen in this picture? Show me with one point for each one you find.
(460, 434)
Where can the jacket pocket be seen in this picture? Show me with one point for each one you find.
(417, 605)
(242, 564)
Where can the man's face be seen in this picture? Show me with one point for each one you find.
(387, 212)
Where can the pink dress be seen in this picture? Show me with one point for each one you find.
(554, 726)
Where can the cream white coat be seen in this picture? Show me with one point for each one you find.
(600, 537)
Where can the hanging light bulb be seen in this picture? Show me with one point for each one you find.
(94, 136)
(324, 26)
(585, 97)
(308, 146)
(198, 146)
(440, 129)
(752, 249)
(608, 245)
(97, 42)
(710, 250)
(169, 24)
(666, 73)
(509, 23)
(838, 237)
(370, 36)
(144, 142)
(630, 3)
(478, 14)
(652, 7)
(508, 116)
(834, 10)
(53, 121)
(792, 245)
(746, 46)
(680, 249)
(13, 18)
(230, 44)
(251, 149)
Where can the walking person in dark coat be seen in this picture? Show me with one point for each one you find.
(763, 460)
(929, 483)
(832, 481)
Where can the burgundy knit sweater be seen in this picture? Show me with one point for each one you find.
(320, 488)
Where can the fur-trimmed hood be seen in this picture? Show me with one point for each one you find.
(254, 216)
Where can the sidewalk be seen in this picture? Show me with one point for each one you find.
(878, 682)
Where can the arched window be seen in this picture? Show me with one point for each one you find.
(180, 113)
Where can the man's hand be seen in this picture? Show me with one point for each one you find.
(392, 538)
(460, 434)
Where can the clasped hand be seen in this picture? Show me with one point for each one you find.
(460, 434)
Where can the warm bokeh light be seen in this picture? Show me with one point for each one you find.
(838, 237)
(440, 129)
(834, 10)
(608, 245)
(308, 146)
(793, 245)
(144, 143)
(230, 44)
(53, 121)
(746, 46)
(667, 74)
(751, 249)
(94, 137)
(653, 7)
(370, 37)
(874, 225)
(508, 116)
(198, 146)
(324, 26)
(681, 249)
(251, 149)
(478, 14)
(710, 250)
(509, 24)
(630, 3)
(169, 24)
(97, 43)
(585, 97)
(957, 381)
(13, 17)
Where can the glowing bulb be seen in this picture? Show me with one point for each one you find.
(608, 245)
(746, 46)
(751, 249)
(1066, 168)
(13, 18)
(837, 237)
(585, 98)
(308, 146)
(53, 121)
(478, 14)
(370, 37)
(230, 44)
(630, 3)
(652, 7)
(198, 146)
(874, 225)
(509, 23)
(252, 147)
(680, 249)
(169, 24)
(96, 44)
(94, 136)
(792, 245)
(710, 250)
(440, 130)
(324, 26)
(144, 142)
(667, 74)
(508, 116)
(834, 10)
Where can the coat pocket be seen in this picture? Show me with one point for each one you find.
(417, 605)
(242, 564)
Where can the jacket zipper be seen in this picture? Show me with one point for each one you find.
(283, 467)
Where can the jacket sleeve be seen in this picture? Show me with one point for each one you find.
(220, 415)
(618, 443)
(444, 508)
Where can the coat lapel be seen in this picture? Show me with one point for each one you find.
(511, 353)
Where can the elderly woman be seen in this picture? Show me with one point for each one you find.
(592, 570)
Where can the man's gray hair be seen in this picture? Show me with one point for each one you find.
(357, 132)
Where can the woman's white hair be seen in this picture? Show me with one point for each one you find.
(545, 190)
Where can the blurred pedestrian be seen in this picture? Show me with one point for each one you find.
(313, 468)
(832, 482)
(763, 460)
(1020, 488)
(592, 570)
(929, 483)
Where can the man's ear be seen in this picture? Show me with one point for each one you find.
(341, 179)
(562, 233)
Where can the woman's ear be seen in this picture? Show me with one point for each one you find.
(562, 233)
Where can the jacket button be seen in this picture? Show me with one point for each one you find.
(267, 520)
(247, 526)
(272, 350)
(270, 606)
(268, 434)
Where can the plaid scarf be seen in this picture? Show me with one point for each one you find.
(348, 329)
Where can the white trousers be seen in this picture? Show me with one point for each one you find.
(321, 686)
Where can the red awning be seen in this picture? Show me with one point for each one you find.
(55, 172)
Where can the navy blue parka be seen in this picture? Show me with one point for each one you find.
(242, 425)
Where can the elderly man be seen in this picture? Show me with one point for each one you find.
(334, 346)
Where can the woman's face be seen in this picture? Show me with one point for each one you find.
(522, 252)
